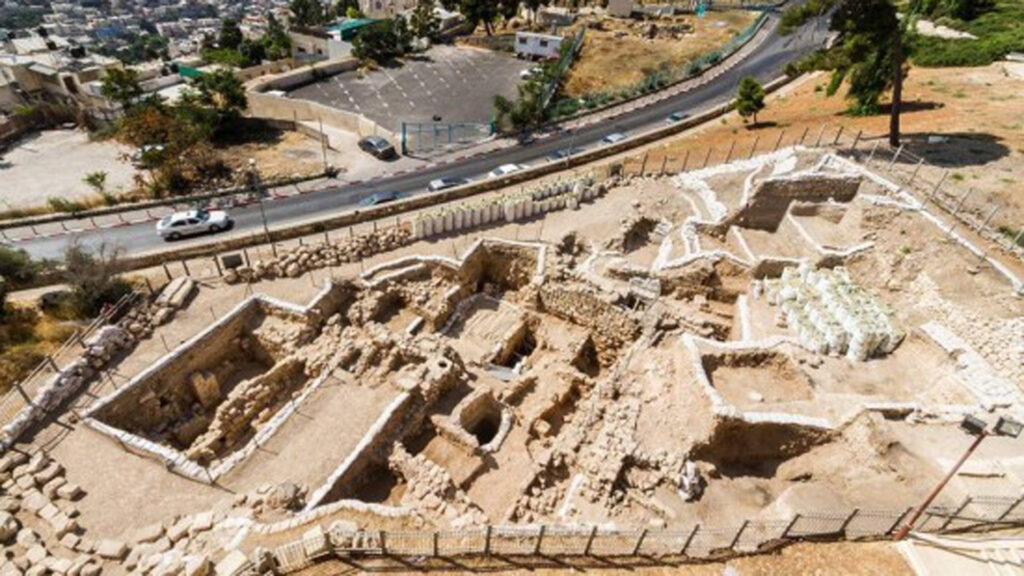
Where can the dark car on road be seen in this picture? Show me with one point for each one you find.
(677, 116)
(378, 146)
(379, 198)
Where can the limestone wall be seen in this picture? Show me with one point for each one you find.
(768, 203)
(612, 327)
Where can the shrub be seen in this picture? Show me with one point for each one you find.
(17, 268)
(93, 278)
(64, 205)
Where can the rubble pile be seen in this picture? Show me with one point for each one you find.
(831, 314)
(99, 349)
(316, 256)
(431, 491)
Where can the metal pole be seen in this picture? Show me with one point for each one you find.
(796, 518)
(639, 542)
(838, 134)
(685, 160)
(1010, 509)
(846, 523)
(689, 539)
(902, 533)
(914, 173)
(989, 217)
(540, 537)
(706, 158)
(487, 540)
(1016, 239)
(856, 140)
(961, 202)
(938, 185)
(736, 538)
(821, 133)
(779, 140)
(953, 516)
(804, 135)
(874, 149)
(323, 143)
(754, 147)
(728, 156)
(895, 157)
(590, 540)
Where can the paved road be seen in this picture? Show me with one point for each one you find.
(765, 63)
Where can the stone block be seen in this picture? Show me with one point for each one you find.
(231, 565)
(314, 542)
(111, 549)
(148, 534)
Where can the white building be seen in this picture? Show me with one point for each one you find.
(543, 46)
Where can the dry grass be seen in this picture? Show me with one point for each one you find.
(617, 56)
(26, 337)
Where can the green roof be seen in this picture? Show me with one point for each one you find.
(349, 27)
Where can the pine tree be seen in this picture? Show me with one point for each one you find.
(750, 98)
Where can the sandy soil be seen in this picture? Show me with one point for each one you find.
(977, 109)
(29, 176)
(616, 55)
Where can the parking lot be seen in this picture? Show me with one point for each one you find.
(458, 84)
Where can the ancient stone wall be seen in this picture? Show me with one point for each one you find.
(612, 327)
(769, 201)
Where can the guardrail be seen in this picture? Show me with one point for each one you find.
(695, 543)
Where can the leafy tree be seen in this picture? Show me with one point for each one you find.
(353, 12)
(343, 7)
(424, 21)
(252, 52)
(962, 9)
(869, 52)
(214, 102)
(96, 180)
(483, 11)
(308, 12)
(533, 6)
(750, 98)
(94, 278)
(17, 267)
(382, 41)
(121, 85)
(230, 35)
(276, 42)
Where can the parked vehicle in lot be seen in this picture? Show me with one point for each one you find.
(446, 183)
(379, 198)
(613, 138)
(529, 73)
(181, 224)
(504, 170)
(677, 116)
(378, 146)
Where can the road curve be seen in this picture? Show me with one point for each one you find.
(765, 63)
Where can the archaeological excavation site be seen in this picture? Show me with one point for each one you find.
(687, 366)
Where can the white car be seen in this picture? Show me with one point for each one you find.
(529, 73)
(504, 170)
(613, 138)
(181, 224)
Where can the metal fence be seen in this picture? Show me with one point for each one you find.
(430, 138)
(696, 542)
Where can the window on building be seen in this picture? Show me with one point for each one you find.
(543, 43)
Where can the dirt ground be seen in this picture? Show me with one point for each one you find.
(616, 54)
(979, 110)
(28, 175)
(283, 153)
(833, 559)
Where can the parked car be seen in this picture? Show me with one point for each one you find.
(504, 170)
(181, 224)
(378, 146)
(529, 73)
(677, 116)
(613, 138)
(446, 183)
(379, 198)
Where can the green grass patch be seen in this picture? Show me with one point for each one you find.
(1000, 30)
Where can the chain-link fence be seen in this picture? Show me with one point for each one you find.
(697, 542)
(422, 139)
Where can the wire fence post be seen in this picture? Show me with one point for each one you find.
(988, 218)
(785, 533)
(706, 158)
(899, 520)
(754, 147)
(895, 157)
(540, 538)
(949, 519)
(590, 540)
(487, 540)
(434, 543)
(778, 141)
(804, 135)
(1010, 509)
(739, 533)
(664, 163)
(914, 173)
(846, 523)
(874, 149)
(686, 544)
(938, 185)
(639, 542)
(383, 542)
(728, 155)
(821, 133)
(686, 159)
(856, 140)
